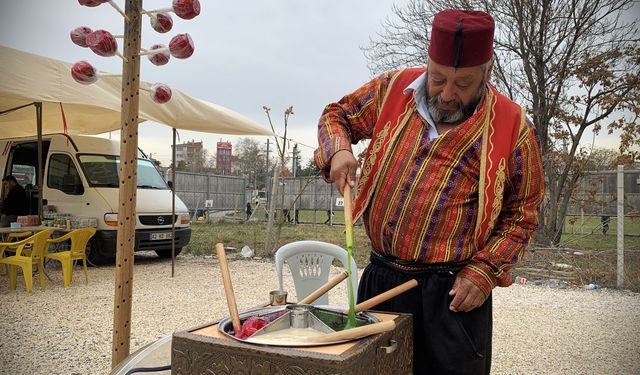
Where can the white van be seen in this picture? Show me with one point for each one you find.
(81, 179)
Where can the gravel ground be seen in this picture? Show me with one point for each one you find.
(537, 329)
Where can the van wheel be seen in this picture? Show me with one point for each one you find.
(96, 254)
(166, 253)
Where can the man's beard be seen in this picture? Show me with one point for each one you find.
(462, 112)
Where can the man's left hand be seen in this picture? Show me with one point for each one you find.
(466, 296)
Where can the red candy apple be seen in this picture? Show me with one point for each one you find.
(161, 22)
(181, 46)
(159, 58)
(83, 72)
(79, 35)
(92, 3)
(102, 43)
(186, 9)
(160, 93)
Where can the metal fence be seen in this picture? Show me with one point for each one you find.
(596, 195)
(213, 192)
(593, 216)
(306, 193)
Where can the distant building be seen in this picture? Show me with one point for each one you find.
(189, 154)
(223, 158)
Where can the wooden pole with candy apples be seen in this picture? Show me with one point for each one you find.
(104, 43)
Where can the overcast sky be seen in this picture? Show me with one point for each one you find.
(247, 54)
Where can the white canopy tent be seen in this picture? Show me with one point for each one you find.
(26, 78)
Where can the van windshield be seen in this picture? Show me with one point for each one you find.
(103, 171)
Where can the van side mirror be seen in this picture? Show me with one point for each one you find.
(76, 189)
(71, 185)
(170, 184)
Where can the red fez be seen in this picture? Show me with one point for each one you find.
(461, 38)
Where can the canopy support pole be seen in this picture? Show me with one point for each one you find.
(128, 183)
(39, 174)
(17, 108)
(173, 203)
(38, 106)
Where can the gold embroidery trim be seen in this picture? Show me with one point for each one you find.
(371, 158)
(483, 183)
(501, 177)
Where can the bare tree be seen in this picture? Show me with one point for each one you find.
(208, 162)
(250, 160)
(279, 170)
(603, 159)
(574, 65)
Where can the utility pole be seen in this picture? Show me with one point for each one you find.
(266, 179)
(294, 164)
(294, 167)
(620, 229)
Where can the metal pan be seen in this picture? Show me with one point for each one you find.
(332, 316)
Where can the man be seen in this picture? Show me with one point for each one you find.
(329, 215)
(248, 210)
(449, 189)
(15, 202)
(604, 220)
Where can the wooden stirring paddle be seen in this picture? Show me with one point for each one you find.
(228, 288)
(374, 301)
(354, 333)
(323, 289)
(348, 223)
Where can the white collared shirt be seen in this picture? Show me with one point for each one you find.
(419, 89)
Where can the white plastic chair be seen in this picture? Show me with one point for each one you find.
(309, 262)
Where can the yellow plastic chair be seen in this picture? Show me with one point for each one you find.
(26, 258)
(13, 237)
(79, 239)
(17, 236)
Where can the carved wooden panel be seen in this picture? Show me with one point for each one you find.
(203, 355)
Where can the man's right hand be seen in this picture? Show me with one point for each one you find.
(343, 169)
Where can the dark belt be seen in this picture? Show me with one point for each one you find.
(407, 266)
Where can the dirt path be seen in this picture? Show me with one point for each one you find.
(537, 330)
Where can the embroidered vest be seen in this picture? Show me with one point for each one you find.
(502, 121)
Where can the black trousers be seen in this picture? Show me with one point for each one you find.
(445, 342)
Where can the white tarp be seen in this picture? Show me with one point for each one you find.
(95, 109)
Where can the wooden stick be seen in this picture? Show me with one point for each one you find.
(154, 11)
(144, 52)
(228, 288)
(325, 288)
(374, 301)
(109, 75)
(122, 57)
(348, 223)
(348, 213)
(117, 8)
(354, 333)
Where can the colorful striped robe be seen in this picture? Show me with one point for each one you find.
(420, 199)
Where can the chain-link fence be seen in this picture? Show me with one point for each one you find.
(595, 197)
(210, 192)
(597, 194)
(312, 198)
(600, 243)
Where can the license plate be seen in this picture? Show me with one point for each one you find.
(161, 236)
